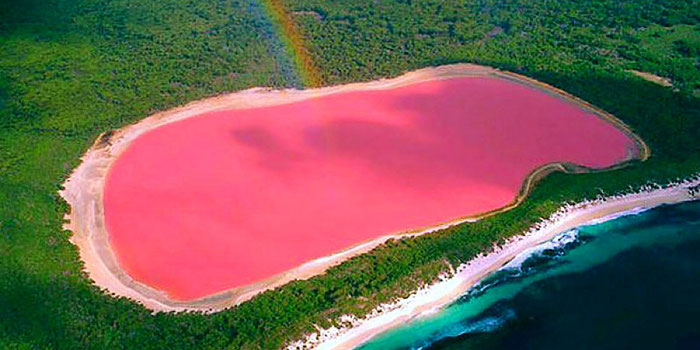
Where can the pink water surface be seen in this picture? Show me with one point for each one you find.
(228, 198)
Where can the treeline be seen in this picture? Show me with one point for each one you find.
(367, 38)
(72, 69)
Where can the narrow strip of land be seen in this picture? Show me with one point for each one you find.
(467, 275)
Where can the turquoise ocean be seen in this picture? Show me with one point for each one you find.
(629, 283)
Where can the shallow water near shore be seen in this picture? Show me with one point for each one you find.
(631, 282)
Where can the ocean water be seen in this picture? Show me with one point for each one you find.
(629, 283)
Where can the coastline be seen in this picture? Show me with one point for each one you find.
(84, 188)
(432, 298)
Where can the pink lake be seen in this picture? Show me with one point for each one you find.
(229, 198)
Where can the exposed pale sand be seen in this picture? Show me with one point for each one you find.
(84, 189)
(652, 78)
(430, 299)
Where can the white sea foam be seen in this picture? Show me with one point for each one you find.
(559, 242)
(485, 324)
(635, 211)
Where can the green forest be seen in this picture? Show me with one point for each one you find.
(72, 69)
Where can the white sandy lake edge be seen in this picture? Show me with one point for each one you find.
(84, 189)
(432, 298)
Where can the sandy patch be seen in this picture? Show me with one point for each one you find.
(652, 78)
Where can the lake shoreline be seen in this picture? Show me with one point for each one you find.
(84, 190)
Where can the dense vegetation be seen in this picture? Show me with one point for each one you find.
(72, 69)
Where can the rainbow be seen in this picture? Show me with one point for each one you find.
(293, 43)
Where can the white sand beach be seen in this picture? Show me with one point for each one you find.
(430, 299)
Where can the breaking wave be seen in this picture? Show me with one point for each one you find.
(528, 262)
(493, 320)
